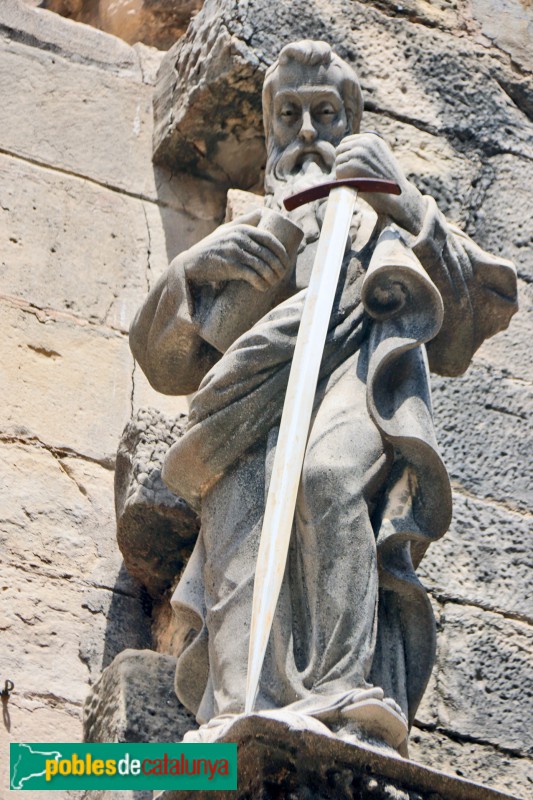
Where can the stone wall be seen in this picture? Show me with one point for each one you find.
(86, 225)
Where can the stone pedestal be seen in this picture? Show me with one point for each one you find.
(277, 761)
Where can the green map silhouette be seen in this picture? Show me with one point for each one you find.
(27, 762)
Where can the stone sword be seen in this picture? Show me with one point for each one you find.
(298, 407)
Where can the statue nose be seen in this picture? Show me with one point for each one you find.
(307, 132)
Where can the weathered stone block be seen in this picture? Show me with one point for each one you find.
(239, 203)
(485, 678)
(506, 25)
(211, 82)
(134, 701)
(39, 88)
(487, 765)
(81, 101)
(484, 559)
(483, 431)
(96, 487)
(57, 516)
(62, 632)
(156, 22)
(66, 39)
(59, 376)
(52, 223)
(44, 621)
(155, 528)
(119, 621)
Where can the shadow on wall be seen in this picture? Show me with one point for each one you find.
(122, 620)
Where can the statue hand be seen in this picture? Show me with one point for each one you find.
(238, 251)
(367, 155)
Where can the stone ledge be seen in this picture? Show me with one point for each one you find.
(277, 761)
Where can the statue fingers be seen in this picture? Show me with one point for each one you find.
(268, 275)
(243, 272)
(270, 247)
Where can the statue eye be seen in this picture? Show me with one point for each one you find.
(326, 111)
(288, 113)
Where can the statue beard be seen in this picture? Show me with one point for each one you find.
(297, 167)
(293, 169)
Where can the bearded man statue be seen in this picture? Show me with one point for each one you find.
(353, 639)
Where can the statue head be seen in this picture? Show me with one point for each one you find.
(311, 100)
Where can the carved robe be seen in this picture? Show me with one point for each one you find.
(374, 492)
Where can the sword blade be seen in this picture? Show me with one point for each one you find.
(294, 429)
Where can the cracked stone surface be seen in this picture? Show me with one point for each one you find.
(64, 80)
(134, 701)
(503, 206)
(50, 221)
(494, 768)
(155, 528)
(71, 539)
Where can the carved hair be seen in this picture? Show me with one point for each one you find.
(314, 54)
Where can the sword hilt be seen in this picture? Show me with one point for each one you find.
(323, 189)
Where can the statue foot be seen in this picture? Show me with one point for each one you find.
(366, 717)
(211, 731)
(378, 720)
(218, 727)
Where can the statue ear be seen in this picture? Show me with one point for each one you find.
(350, 120)
(354, 121)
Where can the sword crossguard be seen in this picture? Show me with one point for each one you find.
(323, 189)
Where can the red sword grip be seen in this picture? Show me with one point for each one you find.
(323, 189)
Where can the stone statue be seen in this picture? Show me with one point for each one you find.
(353, 638)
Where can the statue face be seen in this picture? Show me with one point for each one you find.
(309, 118)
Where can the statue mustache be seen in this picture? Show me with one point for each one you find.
(290, 159)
